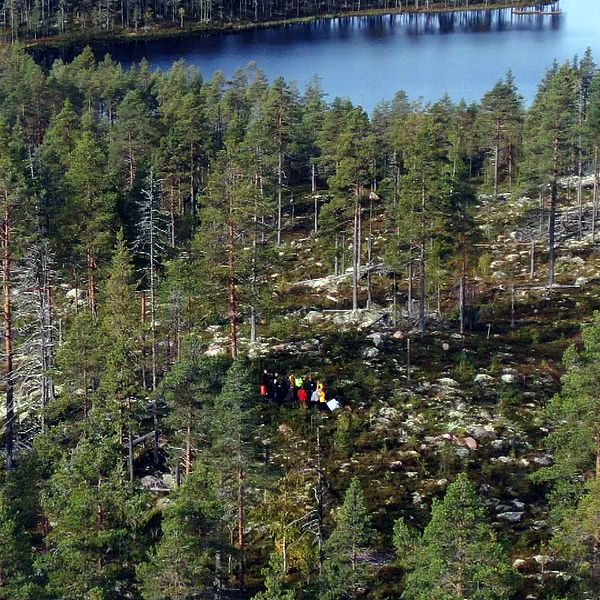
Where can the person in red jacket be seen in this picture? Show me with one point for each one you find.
(302, 396)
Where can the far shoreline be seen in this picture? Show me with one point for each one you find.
(167, 32)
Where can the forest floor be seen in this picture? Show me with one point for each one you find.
(472, 402)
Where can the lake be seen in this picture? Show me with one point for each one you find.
(369, 58)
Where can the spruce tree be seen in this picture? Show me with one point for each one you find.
(458, 556)
(499, 123)
(182, 564)
(575, 474)
(425, 158)
(274, 585)
(97, 520)
(89, 192)
(189, 390)
(550, 132)
(346, 565)
(120, 389)
(232, 452)
(16, 569)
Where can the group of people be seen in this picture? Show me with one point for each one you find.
(293, 388)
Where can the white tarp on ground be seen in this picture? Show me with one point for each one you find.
(333, 404)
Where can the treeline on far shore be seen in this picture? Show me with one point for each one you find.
(35, 19)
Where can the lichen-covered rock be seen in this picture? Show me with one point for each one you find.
(370, 353)
(447, 382)
(483, 379)
(377, 339)
(511, 516)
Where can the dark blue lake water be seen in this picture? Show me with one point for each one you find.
(369, 58)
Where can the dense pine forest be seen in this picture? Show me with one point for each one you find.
(174, 249)
(34, 19)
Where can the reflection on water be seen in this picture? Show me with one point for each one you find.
(368, 58)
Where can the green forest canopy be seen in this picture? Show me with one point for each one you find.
(142, 210)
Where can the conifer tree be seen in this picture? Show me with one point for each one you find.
(182, 564)
(500, 121)
(189, 389)
(58, 143)
(15, 222)
(275, 589)
(89, 192)
(457, 204)
(346, 568)
(591, 134)
(151, 245)
(79, 363)
(457, 557)
(575, 474)
(97, 519)
(224, 243)
(232, 452)
(131, 139)
(347, 153)
(424, 158)
(585, 69)
(280, 120)
(16, 569)
(119, 389)
(551, 137)
(181, 153)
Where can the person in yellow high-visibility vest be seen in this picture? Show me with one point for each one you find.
(321, 395)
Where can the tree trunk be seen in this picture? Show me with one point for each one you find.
(233, 310)
(370, 256)
(355, 251)
(512, 305)
(336, 260)
(461, 302)
(422, 256)
(422, 283)
(253, 332)
(155, 444)
(598, 453)
(130, 453)
(320, 512)
(552, 221)
(91, 264)
(241, 536)
(279, 187)
(8, 340)
(496, 159)
(188, 442)
(409, 294)
(313, 187)
(580, 196)
(595, 195)
(143, 315)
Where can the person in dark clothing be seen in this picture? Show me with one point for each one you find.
(280, 388)
(310, 385)
(292, 391)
